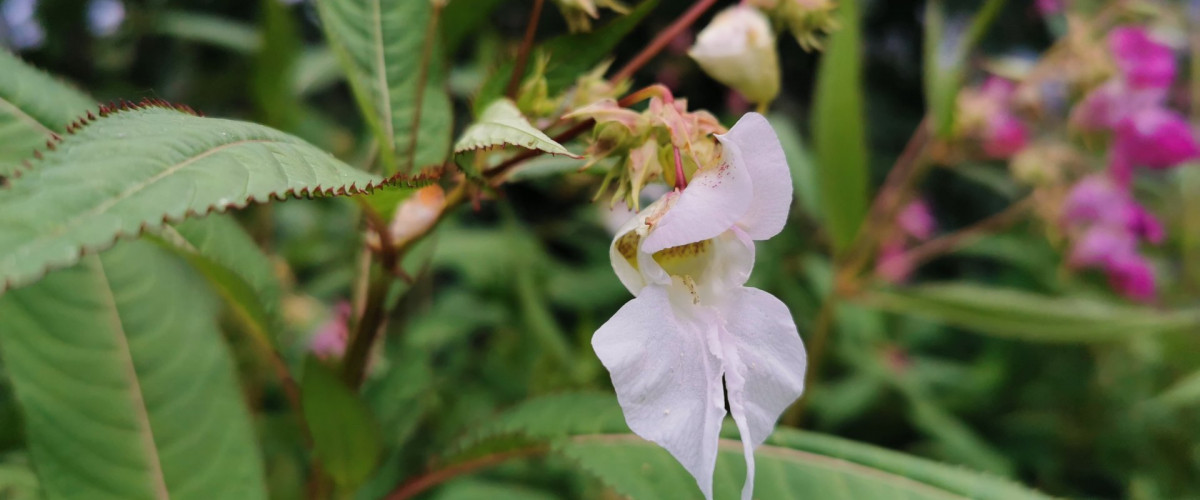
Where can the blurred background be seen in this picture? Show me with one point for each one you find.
(513, 290)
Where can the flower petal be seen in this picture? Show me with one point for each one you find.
(713, 202)
(753, 143)
(764, 366)
(667, 380)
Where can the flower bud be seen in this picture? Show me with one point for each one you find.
(738, 50)
(417, 214)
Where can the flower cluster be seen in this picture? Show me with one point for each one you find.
(651, 143)
(693, 323)
(1132, 107)
(1108, 224)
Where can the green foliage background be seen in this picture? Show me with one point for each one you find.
(995, 360)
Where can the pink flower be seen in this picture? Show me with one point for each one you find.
(1144, 224)
(1113, 224)
(1143, 61)
(330, 340)
(1155, 138)
(1109, 104)
(1049, 7)
(892, 265)
(1004, 136)
(1133, 277)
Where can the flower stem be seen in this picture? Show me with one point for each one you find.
(415, 486)
(938, 246)
(660, 42)
(514, 82)
(366, 330)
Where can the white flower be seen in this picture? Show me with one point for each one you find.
(738, 49)
(686, 259)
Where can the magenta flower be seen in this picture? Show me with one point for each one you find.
(1112, 225)
(1005, 136)
(1156, 138)
(1133, 277)
(1096, 200)
(1109, 104)
(1144, 62)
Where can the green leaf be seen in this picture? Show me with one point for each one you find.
(945, 60)
(570, 56)
(839, 130)
(33, 107)
(462, 19)
(791, 465)
(589, 428)
(18, 482)
(1018, 314)
(502, 124)
(126, 387)
(240, 273)
(345, 436)
(213, 30)
(1183, 393)
(133, 170)
(391, 57)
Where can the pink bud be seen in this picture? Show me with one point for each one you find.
(917, 220)
(1155, 138)
(1004, 136)
(1143, 61)
(1132, 276)
(892, 266)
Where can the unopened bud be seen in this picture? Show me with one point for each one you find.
(738, 50)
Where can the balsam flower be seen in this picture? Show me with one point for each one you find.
(692, 322)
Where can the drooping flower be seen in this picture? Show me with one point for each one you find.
(693, 322)
(738, 50)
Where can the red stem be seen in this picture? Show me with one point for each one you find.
(421, 483)
(660, 42)
(526, 45)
